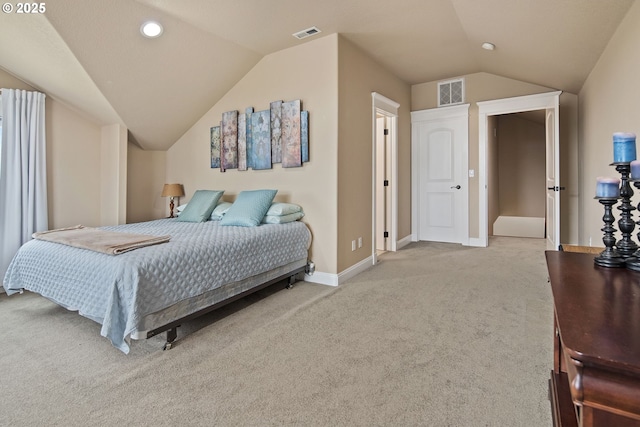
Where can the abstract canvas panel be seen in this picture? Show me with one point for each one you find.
(215, 147)
(242, 142)
(247, 112)
(304, 135)
(229, 151)
(276, 131)
(222, 168)
(257, 140)
(261, 140)
(291, 147)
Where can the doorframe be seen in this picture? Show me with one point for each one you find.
(381, 105)
(496, 107)
(434, 114)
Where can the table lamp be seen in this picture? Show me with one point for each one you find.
(171, 191)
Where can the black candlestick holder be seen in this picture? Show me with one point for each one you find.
(626, 246)
(609, 257)
(633, 262)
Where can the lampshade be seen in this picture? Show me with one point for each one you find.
(172, 190)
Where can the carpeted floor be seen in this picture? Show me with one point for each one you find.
(434, 335)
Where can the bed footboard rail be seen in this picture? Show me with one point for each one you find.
(171, 327)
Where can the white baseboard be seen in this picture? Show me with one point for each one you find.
(335, 279)
(355, 269)
(475, 241)
(404, 242)
(322, 278)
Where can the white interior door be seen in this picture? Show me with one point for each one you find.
(387, 108)
(440, 154)
(382, 204)
(553, 180)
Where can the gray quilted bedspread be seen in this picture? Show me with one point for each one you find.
(118, 290)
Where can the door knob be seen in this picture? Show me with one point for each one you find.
(457, 187)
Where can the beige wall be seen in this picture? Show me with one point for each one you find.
(73, 168)
(307, 72)
(359, 76)
(145, 178)
(113, 179)
(484, 87)
(609, 102)
(521, 166)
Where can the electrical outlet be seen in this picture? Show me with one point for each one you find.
(353, 245)
(359, 242)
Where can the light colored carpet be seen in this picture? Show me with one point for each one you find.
(435, 335)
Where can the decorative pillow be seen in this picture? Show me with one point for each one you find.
(181, 207)
(279, 208)
(249, 208)
(219, 211)
(282, 219)
(200, 206)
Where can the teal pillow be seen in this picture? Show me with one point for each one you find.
(200, 206)
(249, 208)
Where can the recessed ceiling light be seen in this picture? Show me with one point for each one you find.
(488, 46)
(151, 29)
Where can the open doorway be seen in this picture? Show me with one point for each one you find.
(516, 161)
(550, 104)
(384, 177)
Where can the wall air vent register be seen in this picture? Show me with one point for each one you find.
(450, 92)
(306, 33)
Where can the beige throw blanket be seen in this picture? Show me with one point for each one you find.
(107, 242)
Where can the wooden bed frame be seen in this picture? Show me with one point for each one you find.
(171, 328)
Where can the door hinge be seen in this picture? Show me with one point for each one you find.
(386, 183)
(386, 131)
(386, 234)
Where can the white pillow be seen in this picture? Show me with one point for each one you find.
(219, 211)
(282, 219)
(279, 208)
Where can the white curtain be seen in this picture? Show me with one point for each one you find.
(23, 174)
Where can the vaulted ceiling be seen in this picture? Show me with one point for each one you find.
(90, 54)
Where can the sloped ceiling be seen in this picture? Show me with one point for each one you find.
(90, 55)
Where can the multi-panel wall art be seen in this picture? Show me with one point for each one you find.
(257, 140)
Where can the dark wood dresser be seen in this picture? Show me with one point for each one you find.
(595, 379)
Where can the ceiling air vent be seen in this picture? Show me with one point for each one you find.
(450, 92)
(306, 33)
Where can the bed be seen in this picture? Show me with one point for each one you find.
(150, 290)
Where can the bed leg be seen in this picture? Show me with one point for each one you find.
(172, 334)
(292, 280)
